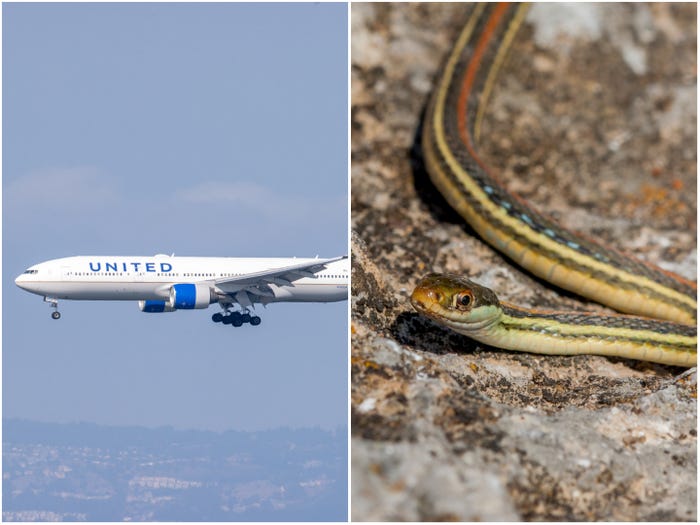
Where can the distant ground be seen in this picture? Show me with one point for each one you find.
(86, 472)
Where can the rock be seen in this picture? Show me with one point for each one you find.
(444, 428)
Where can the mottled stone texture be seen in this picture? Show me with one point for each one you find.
(594, 123)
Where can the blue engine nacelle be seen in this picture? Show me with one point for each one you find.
(155, 306)
(190, 296)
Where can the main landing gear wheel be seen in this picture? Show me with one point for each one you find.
(56, 315)
(235, 318)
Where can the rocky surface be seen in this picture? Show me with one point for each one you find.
(593, 120)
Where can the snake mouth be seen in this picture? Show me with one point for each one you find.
(423, 298)
(426, 299)
(421, 304)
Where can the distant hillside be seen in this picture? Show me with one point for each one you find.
(83, 471)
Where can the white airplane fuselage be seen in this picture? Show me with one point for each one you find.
(224, 280)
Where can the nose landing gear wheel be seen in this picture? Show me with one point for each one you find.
(54, 304)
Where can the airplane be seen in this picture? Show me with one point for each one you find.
(166, 283)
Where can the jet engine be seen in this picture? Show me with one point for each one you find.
(155, 306)
(190, 296)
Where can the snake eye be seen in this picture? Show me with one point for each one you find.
(463, 300)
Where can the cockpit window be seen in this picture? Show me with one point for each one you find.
(31, 271)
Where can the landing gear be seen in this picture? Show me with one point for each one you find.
(54, 304)
(236, 318)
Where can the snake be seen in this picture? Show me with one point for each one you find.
(657, 319)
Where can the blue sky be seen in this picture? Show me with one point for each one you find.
(199, 129)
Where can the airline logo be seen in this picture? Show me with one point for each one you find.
(102, 266)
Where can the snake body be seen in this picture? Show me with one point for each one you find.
(533, 240)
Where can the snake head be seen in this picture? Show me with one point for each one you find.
(452, 299)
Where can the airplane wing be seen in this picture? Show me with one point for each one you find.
(258, 283)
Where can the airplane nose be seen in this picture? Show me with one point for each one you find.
(25, 282)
